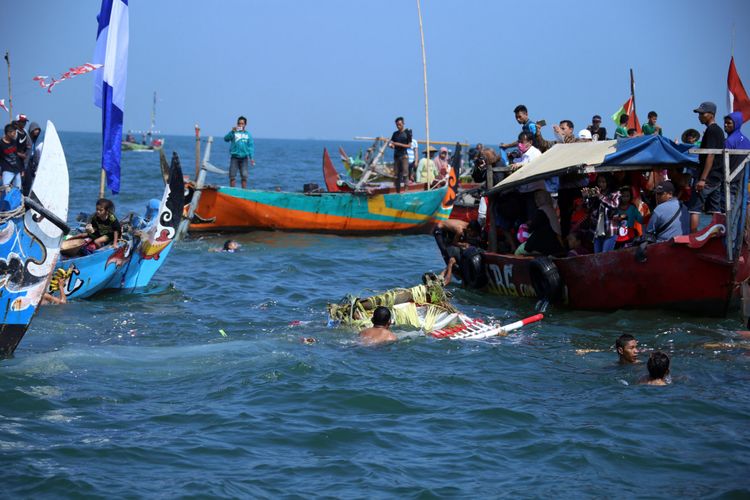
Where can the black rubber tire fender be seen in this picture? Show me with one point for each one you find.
(472, 268)
(546, 280)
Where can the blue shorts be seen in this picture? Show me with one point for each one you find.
(710, 200)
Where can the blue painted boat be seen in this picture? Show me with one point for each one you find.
(30, 232)
(139, 255)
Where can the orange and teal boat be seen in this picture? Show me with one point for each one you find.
(366, 212)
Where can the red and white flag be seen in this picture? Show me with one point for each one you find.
(2, 105)
(78, 70)
(737, 99)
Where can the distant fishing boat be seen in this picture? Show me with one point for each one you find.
(134, 261)
(149, 140)
(30, 233)
(700, 273)
(374, 211)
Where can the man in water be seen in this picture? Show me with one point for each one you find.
(379, 332)
(627, 349)
(658, 369)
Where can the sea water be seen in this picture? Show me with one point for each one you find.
(201, 386)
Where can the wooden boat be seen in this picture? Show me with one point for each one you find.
(344, 211)
(141, 253)
(30, 234)
(152, 145)
(699, 273)
(150, 142)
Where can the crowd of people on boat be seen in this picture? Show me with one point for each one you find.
(573, 214)
(20, 151)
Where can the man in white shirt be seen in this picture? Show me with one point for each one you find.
(413, 153)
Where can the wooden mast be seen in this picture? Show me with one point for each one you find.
(10, 92)
(426, 104)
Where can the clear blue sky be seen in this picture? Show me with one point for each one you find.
(338, 68)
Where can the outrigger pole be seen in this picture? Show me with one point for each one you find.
(10, 92)
(426, 105)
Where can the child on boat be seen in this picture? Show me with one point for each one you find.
(103, 227)
(626, 215)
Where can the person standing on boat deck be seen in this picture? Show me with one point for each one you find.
(670, 217)
(650, 127)
(242, 150)
(707, 191)
(735, 140)
(627, 349)
(621, 132)
(598, 132)
(10, 163)
(413, 154)
(400, 143)
(22, 138)
(427, 165)
(379, 332)
(35, 153)
(522, 117)
(443, 163)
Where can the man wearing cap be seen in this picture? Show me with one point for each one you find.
(22, 138)
(596, 129)
(670, 217)
(707, 192)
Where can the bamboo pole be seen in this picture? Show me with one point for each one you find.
(102, 183)
(441, 143)
(632, 91)
(10, 92)
(426, 103)
(197, 151)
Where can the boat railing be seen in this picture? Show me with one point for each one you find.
(732, 240)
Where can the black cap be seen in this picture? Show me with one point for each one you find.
(664, 187)
(706, 107)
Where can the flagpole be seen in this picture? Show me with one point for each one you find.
(10, 92)
(632, 89)
(426, 104)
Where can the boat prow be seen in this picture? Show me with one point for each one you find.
(30, 241)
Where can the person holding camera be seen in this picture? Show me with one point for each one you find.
(400, 143)
(241, 151)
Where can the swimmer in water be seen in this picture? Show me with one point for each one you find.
(230, 246)
(627, 349)
(658, 369)
(379, 332)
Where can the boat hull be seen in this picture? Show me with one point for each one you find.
(234, 209)
(673, 276)
(30, 243)
(133, 263)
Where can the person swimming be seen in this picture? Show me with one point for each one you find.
(379, 333)
(627, 349)
(230, 246)
(658, 369)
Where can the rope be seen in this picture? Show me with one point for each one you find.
(11, 214)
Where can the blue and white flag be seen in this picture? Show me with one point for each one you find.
(109, 87)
